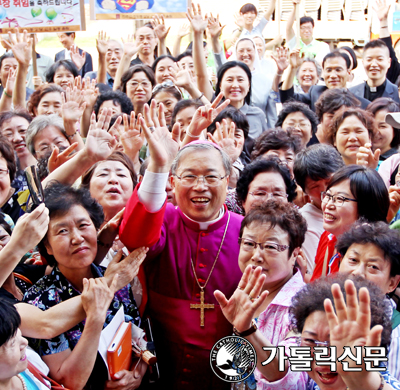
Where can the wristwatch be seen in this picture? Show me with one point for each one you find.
(247, 332)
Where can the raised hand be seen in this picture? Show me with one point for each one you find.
(281, 58)
(57, 159)
(394, 198)
(21, 46)
(99, 143)
(198, 23)
(366, 157)
(89, 92)
(102, 42)
(382, 9)
(183, 78)
(205, 115)
(350, 325)
(127, 268)
(240, 309)
(129, 45)
(77, 58)
(131, 137)
(72, 104)
(294, 59)
(214, 26)
(183, 30)
(163, 144)
(11, 81)
(239, 20)
(31, 228)
(224, 136)
(160, 29)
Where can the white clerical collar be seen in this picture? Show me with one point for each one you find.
(205, 225)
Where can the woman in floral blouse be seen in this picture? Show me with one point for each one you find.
(71, 244)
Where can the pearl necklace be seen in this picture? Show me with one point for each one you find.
(24, 387)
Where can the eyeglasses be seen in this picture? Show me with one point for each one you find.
(271, 247)
(145, 84)
(165, 84)
(308, 342)
(338, 200)
(260, 194)
(191, 180)
(3, 172)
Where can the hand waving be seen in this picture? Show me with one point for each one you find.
(77, 58)
(281, 58)
(225, 138)
(240, 309)
(102, 42)
(99, 143)
(199, 24)
(57, 159)
(366, 157)
(214, 26)
(73, 104)
(21, 46)
(183, 30)
(130, 48)
(382, 9)
(131, 137)
(159, 27)
(163, 145)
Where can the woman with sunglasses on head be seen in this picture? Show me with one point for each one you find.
(271, 235)
(353, 192)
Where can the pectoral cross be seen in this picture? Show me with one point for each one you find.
(202, 306)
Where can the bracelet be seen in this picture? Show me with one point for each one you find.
(72, 135)
(253, 328)
(191, 135)
(384, 26)
(5, 93)
(279, 74)
(200, 96)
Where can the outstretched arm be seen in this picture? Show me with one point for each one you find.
(182, 31)
(101, 45)
(161, 32)
(21, 47)
(199, 25)
(294, 63)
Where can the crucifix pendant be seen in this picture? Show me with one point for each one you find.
(202, 306)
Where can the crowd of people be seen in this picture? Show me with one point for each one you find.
(209, 192)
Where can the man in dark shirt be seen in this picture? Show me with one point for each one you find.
(146, 40)
(376, 61)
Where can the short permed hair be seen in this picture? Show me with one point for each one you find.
(376, 233)
(374, 44)
(5, 116)
(312, 296)
(248, 7)
(333, 99)
(59, 199)
(290, 107)
(117, 97)
(389, 105)
(365, 117)
(277, 213)
(236, 116)
(10, 321)
(316, 162)
(115, 156)
(40, 123)
(275, 139)
(262, 165)
(38, 94)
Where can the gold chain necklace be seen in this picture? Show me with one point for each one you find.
(203, 305)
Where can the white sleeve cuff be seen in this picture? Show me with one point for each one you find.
(152, 190)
